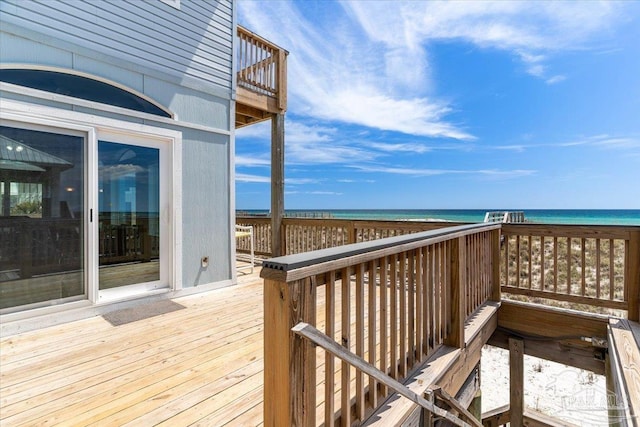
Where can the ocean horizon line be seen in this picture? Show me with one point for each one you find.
(544, 216)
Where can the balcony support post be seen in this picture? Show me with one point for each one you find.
(277, 184)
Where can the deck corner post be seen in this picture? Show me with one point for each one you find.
(289, 360)
(495, 265)
(457, 274)
(632, 276)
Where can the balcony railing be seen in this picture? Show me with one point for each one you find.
(595, 268)
(261, 78)
(394, 303)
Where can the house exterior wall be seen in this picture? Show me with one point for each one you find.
(181, 59)
(194, 41)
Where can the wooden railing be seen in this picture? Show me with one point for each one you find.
(592, 268)
(308, 234)
(262, 67)
(392, 302)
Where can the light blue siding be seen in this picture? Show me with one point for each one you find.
(195, 41)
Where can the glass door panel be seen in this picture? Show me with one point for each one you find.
(42, 226)
(128, 214)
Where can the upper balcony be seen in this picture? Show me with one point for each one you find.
(261, 78)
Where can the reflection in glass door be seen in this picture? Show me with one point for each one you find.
(42, 226)
(128, 214)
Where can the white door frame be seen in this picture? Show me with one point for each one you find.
(15, 113)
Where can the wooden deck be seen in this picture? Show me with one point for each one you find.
(197, 365)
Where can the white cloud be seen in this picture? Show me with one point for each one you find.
(418, 172)
(243, 177)
(555, 79)
(530, 30)
(247, 161)
(401, 147)
(606, 142)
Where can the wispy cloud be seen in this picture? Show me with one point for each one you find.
(243, 177)
(605, 142)
(408, 147)
(248, 161)
(418, 172)
(530, 30)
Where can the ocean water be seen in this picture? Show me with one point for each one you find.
(539, 216)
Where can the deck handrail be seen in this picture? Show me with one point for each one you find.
(261, 66)
(318, 338)
(419, 288)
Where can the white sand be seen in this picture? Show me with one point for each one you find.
(571, 394)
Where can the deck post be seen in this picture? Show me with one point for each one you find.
(277, 184)
(516, 381)
(289, 360)
(457, 274)
(495, 265)
(632, 276)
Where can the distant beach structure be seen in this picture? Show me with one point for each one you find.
(505, 216)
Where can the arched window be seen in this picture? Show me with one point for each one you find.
(83, 87)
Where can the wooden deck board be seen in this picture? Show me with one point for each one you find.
(202, 364)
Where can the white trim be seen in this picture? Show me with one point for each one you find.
(49, 96)
(73, 72)
(94, 127)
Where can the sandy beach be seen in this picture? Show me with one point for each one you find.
(573, 395)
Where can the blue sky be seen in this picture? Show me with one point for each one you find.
(438, 105)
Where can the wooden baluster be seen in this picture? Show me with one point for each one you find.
(542, 262)
(419, 316)
(518, 261)
(530, 251)
(427, 299)
(411, 314)
(583, 250)
(402, 286)
(329, 361)
(372, 313)
(360, 324)
(507, 280)
(393, 317)
(597, 268)
(555, 264)
(612, 271)
(437, 287)
(345, 392)
(568, 265)
(384, 280)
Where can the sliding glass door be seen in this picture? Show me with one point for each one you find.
(128, 214)
(84, 214)
(42, 217)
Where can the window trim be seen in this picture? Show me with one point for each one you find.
(91, 77)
